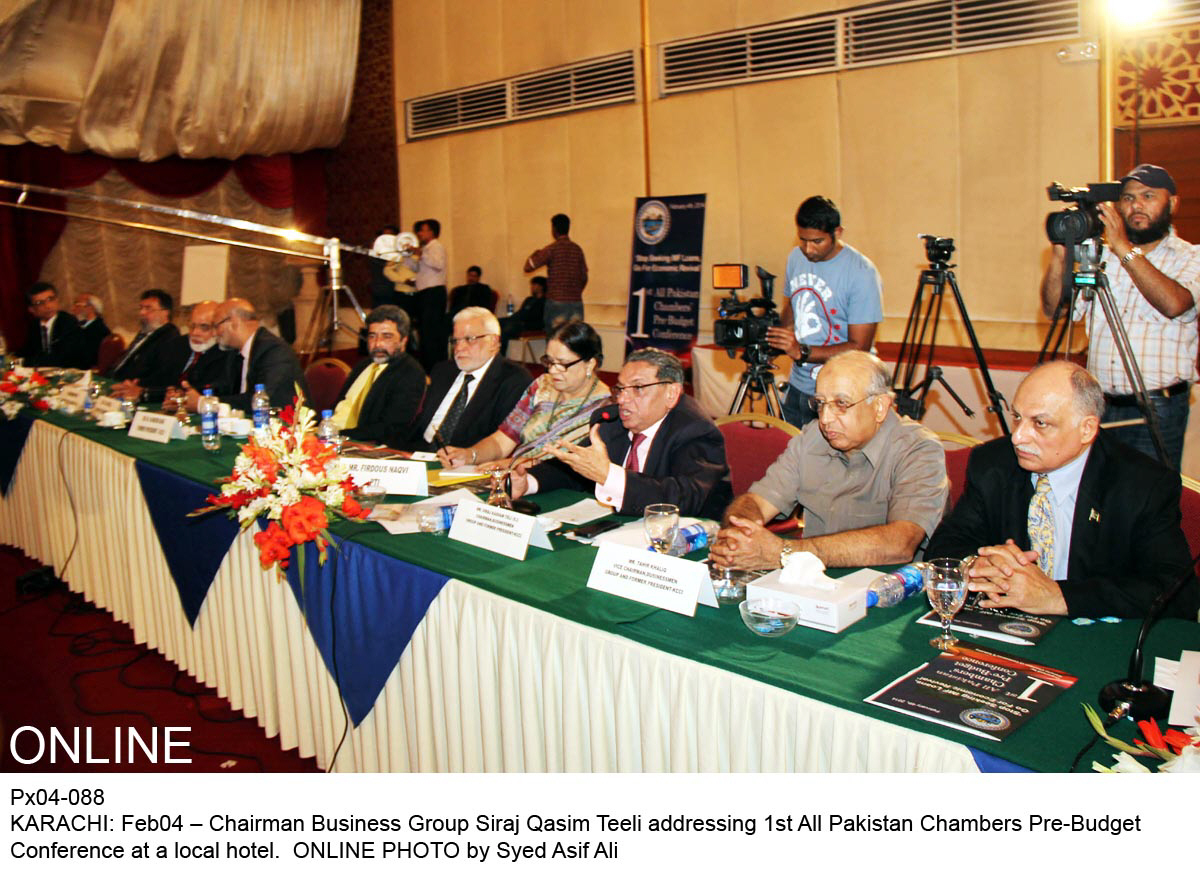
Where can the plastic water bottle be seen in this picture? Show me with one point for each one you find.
(89, 398)
(210, 436)
(890, 588)
(327, 431)
(432, 519)
(695, 536)
(509, 307)
(260, 407)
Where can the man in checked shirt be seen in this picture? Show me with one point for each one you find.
(1155, 281)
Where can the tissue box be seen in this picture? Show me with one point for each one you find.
(827, 610)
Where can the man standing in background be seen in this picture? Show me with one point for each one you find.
(834, 303)
(429, 262)
(566, 274)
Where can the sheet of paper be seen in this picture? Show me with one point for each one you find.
(1185, 706)
(588, 509)
(398, 518)
(1166, 672)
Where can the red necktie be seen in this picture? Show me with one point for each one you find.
(631, 462)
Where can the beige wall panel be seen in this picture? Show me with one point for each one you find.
(425, 186)
(477, 220)
(680, 19)
(533, 35)
(422, 55)
(600, 27)
(900, 168)
(472, 30)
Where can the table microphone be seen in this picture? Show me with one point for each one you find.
(1133, 696)
(604, 413)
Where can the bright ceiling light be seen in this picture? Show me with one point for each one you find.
(1132, 13)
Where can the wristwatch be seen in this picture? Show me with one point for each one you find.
(805, 351)
(1135, 252)
(785, 554)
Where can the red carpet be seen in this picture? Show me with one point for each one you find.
(67, 664)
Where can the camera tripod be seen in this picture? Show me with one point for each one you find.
(326, 320)
(1087, 278)
(922, 319)
(757, 378)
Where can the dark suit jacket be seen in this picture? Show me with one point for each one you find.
(93, 333)
(148, 358)
(1126, 543)
(498, 393)
(272, 364)
(685, 466)
(208, 370)
(66, 344)
(393, 402)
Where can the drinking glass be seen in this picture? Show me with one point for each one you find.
(429, 519)
(946, 587)
(662, 523)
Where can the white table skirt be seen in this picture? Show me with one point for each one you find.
(487, 684)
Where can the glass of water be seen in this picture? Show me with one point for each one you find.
(661, 521)
(946, 588)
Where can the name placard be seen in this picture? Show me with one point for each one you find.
(107, 404)
(72, 396)
(650, 578)
(397, 477)
(497, 530)
(155, 427)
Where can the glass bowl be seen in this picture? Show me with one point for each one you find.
(769, 617)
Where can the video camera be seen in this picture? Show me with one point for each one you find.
(743, 324)
(1080, 222)
(938, 249)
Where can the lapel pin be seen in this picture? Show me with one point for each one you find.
(1093, 515)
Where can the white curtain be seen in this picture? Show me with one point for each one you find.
(118, 263)
(146, 79)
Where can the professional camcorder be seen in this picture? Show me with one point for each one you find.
(938, 249)
(1080, 222)
(743, 323)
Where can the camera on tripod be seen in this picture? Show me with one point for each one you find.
(938, 249)
(743, 324)
(1082, 221)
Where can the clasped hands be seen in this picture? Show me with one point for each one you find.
(743, 544)
(1011, 577)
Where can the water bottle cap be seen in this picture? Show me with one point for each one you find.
(259, 387)
(326, 413)
(208, 392)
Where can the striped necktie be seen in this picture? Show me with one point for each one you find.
(631, 461)
(1041, 524)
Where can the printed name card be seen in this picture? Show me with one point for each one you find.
(397, 477)
(107, 404)
(72, 396)
(497, 530)
(648, 577)
(155, 427)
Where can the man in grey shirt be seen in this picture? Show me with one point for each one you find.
(873, 485)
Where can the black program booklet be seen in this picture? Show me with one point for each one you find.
(1006, 625)
(985, 693)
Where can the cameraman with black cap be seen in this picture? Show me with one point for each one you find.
(1155, 282)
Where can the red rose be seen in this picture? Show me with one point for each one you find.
(354, 509)
(304, 519)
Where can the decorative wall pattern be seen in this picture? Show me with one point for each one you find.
(1158, 78)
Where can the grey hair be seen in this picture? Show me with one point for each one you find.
(1086, 393)
(390, 312)
(491, 325)
(879, 381)
(666, 365)
(93, 301)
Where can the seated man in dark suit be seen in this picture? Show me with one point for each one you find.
(1064, 518)
(474, 293)
(147, 353)
(194, 358)
(55, 339)
(531, 315)
(382, 395)
(89, 311)
(660, 447)
(260, 358)
(471, 395)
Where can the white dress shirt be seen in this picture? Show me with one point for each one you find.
(439, 414)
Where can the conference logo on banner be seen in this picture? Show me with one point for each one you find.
(664, 279)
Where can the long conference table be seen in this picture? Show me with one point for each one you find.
(440, 656)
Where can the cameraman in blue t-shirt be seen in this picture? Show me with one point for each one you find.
(833, 303)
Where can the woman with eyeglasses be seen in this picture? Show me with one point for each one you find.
(558, 405)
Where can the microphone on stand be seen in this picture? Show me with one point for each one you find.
(1133, 696)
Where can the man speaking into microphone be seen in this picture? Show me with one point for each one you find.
(656, 446)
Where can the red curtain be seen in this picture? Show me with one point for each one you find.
(26, 237)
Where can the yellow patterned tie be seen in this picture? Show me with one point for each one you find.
(1041, 524)
(347, 412)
